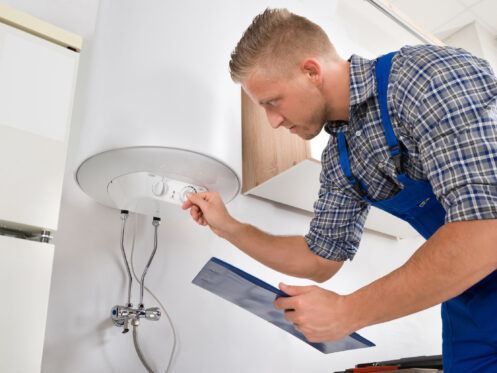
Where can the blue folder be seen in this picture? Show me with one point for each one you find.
(257, 296)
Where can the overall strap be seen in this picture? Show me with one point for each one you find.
(345, 165)
(382, 70)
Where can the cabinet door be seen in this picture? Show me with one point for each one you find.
(37, 80)
(25, 273)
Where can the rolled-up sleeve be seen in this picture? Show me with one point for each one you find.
(337, 226)
(458, 137)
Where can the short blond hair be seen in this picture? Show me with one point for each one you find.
(280, 38)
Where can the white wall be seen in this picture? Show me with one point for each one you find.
(489, 45)
(214, 335)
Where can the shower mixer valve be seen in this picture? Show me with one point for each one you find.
(122, 316)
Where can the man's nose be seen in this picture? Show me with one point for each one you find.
(275, 119)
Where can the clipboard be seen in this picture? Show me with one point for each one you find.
(257, 296)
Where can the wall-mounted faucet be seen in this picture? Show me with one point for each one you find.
(122, 316)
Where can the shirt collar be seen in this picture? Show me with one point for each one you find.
(362, 87)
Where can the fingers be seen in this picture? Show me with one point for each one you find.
(195, 202)
(187, 204)
(200, 199)
(285, 303)
(295, 290)
(296, 319)
(292, 315)
(295, 297)
(198, 203)
(195, 212)
(299, 323)
(197, 215)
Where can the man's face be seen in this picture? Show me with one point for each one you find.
(293, 101)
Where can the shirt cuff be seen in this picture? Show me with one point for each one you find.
(471, 202)
(332, 249)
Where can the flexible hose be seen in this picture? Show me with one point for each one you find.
(139, 351)
(124, 218)
(142, 283)
(173, 350)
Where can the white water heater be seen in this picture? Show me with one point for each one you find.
(161, 115)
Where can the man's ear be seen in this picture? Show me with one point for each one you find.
(312, 69)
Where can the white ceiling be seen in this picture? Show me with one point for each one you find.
(444, 17)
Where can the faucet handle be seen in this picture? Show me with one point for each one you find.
(153, 313)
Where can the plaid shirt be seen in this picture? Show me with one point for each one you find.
(443, 106)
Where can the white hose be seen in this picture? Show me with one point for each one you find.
(139, 351)
(137, 346)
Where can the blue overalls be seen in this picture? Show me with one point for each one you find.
(469, 321)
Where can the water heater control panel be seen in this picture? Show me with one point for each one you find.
(145, 191)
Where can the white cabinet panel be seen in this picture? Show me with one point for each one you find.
(36, 83)
(25, 273)
(299, 187)
(32, 171)
(37, 80)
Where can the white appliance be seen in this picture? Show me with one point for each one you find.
(158, 122)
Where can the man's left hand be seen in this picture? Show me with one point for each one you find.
(321, 315)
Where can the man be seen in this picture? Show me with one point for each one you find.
(413, 133)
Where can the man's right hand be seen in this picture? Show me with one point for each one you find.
(286, 254)
(207, 208)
